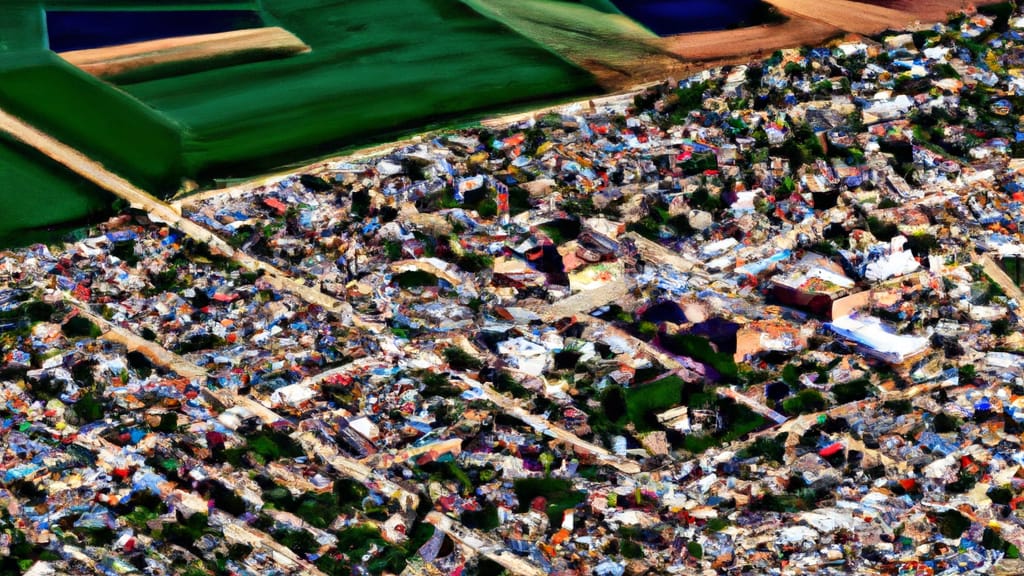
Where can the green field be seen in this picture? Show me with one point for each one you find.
(644, 401)
(593, 32)
(22, 28)
(37, 193)
(94, 117)
(377, 67)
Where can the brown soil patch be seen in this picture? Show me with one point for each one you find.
(750, 43)
(118, 60)
(873, 16)
(810, 22)
(926, 10)
(847, 15)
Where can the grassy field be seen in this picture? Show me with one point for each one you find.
(22, 28)
(644, 401)
(41, 199)
(94, 117)
(377, 67)
(591, 33)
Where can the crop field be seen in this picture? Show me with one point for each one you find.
(377, 68)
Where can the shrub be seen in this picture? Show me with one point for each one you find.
(883, 231)
(804, 402)
(967, 372)
(559, 493)
(899, 407)
(88, 408)
(487, 208)
(717, 524)
(1000, 494)
(459, 359)
(315, 183)
(80, 327)
(952, 524)
(772, 449)
(945, 423)
(438, 384)
(393, 250)
(852, 391)
(922, 244)
(1001, 327)
(474, 262)
(484, 519)
(647, 329)
(631, 550)
(415, 279)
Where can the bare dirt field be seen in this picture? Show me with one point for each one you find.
(926, 10)
(750, 43)
(870, 17)
(622, 54)
(117, 61)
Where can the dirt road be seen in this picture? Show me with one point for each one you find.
(163, 212)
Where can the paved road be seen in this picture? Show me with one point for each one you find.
(538, 423)
(234, 529)
(512, 407)
(658, 254)
(752, 404)
(351, 468)
(154, 352)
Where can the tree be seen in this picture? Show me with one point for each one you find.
(546, 460)
(804, 402)
(855, 121)
(755, 73)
